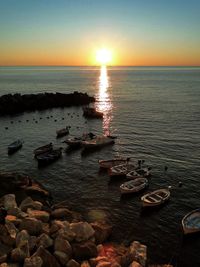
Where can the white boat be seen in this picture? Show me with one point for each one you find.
(98, 142)
(107, 164)
(43, 149)
(77, 141)
(133, 186)
(191, 222)
(13, 147)
(62, 132)
(155, 198)
(139, 173)
(121, 170)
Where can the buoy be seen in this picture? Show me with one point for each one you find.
(180, 184)
(40, 118)
(6, 128)
(51, 116)
(169, 187)
(36, 121)
(62, 118)
(27, 120)
(166, 168)
(55, 120)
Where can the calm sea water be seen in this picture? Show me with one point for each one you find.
(155, 114)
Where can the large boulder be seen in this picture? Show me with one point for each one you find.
(83, 231)
(84, 250)
(32, 225)
(102, 231)
(62, 230)
(29, 203)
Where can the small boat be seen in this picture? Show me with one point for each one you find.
(155, 198)
(98, 142)
(49, 157)
(133, 186)
(191, 222)
(107, 164)
(62, 132)
(43, 149)
(139, 173)
(121, 170)
(13, 147)
(77, 141)
(90, 112)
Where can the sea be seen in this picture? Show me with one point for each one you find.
(153, 111)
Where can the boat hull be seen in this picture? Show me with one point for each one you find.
(191, 222)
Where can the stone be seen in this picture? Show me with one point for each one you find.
(115, 264)
(46, 228)
(17, 213)
(85, 264)
(3, 258)
(83, 231)
(13, 219)
(66, 233)
(61, 213)
(29, 203)
(34, 261)
(32, 225)
(9, 201)
(47, 258)
(4, 249)
(39, 215)
(63, 245)
(61, 257)
(19, 254)
(72, 263)
(22, 238)
(135, 264)
(104, 264)
(139, 251)
(102, 231)
(84, 250)
(32, 243)
(44, 240)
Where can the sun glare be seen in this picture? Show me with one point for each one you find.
(103, 56)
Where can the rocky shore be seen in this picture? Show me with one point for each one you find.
(15, 103)
(39, 234)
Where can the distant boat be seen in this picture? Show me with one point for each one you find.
(62, 132)
(121, 170)
(191, 222)
(107, 164)
(139, 173)
(77, 141)
(90, 112)
(43, 149)
(155, 198)
(133, 186)
(49, 157)
(98, 142)
(13, 147)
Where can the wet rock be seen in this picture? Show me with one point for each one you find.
(32, 243)
(22, 238)
(72, 263)
(9, 201)
(17, 213)
(61, 213)
(44, 240)
(4, 249)
(19, 254)
(115, 264)
(37, 191)
(12, 219)
(102, 231)
(29, 203)
(85, 264)
(46, 228)
(34, 261)
(83, 231)
(47, 258)
(63, 246)
(104, 264)
(61, 257)
(135, 264)
(3, 258)
(11, 229)
(140, 252)
(85, 250)
(39, 215)
(32, 225)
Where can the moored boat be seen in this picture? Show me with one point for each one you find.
(106, 164)
(77, 141)
(43, 149)
(13, 147)
(62, 132)
(49, 157)
(98, 142)
(155, 198)
(91, 112)
(133, 186)
(121, 170)
(139, 173)
(191, 222)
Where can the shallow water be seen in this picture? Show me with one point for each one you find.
(155, 114)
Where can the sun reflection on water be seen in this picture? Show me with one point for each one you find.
(104, 103)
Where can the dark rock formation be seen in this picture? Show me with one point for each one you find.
(16, 103)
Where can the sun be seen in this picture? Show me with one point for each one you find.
(103, 56)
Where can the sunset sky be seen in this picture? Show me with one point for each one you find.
(70, 32)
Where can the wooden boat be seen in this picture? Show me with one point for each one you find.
(107, 164)
(139, 173)
(90, 112)
(155, 198)
(62, 132)
(13, 147)
(49, 157)
(133, 186)
(77, 141)
(98, 142)
(121, 170)
(43, 149)
(191, 222)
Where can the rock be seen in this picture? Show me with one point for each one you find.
(46, 228)
(102, 231)
(83, 231)
(62, 230)
(63, 246)
(32, 225)
(19, 254)
(36, 190)
(72, 263)
(135, 264)
(32, 243)
(9, 201)
(61, 213)
(48, 259)
(104, 264)
(11, 229)
(85, 264)
(3, 258)
(17, 213)
(55, 226)
(84, 250)
(12, 219)
(66, 234)
(29, 203)
(61, 257)
(22, 238)
(115, 264)
(140, 252)
(9, 265)
(4, 249)
(39, 215)
(34, 261)
(45, 241)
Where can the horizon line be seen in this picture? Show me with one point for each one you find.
(100, 66)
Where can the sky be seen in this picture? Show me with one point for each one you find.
(70, 32)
